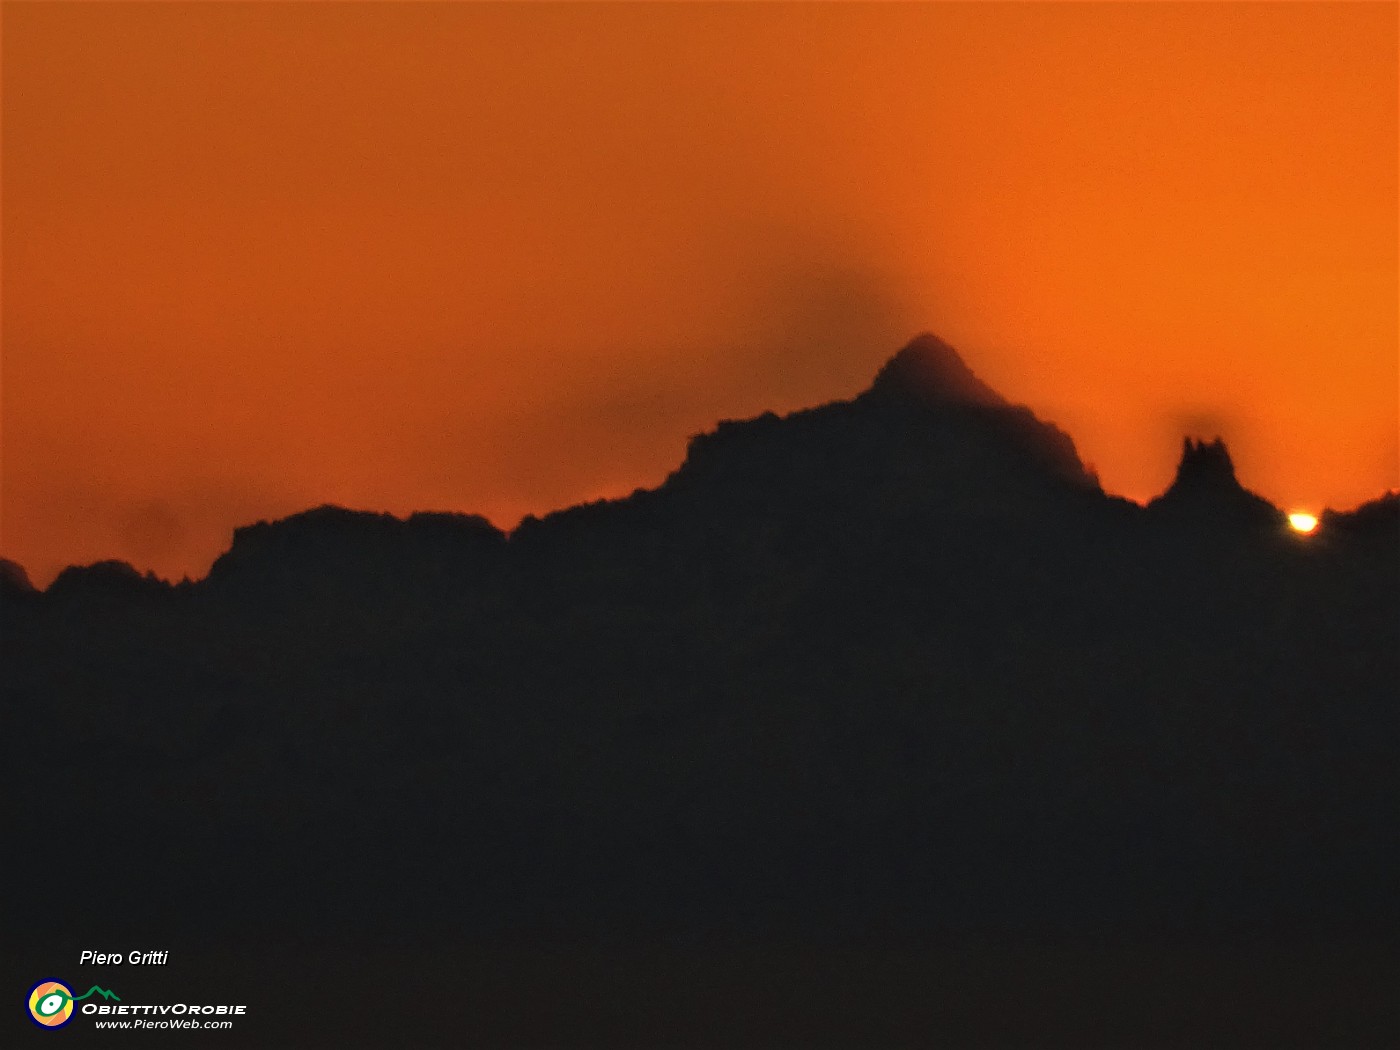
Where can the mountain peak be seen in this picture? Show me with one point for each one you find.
(1206, 487)
(1205, 465)
(929, 371)
(13, 579)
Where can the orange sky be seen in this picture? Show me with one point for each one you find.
(501, 258)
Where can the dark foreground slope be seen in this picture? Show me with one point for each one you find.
(876, 723)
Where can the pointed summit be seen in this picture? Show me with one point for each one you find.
(1205, 465)
(1206, 488)
(929, 371)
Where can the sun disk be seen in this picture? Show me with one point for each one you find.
(1302, 522)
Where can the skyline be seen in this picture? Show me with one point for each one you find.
(502, 260)
(926, 372)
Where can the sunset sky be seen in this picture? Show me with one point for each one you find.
(505, 257)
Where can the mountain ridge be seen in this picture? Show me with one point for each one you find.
(889, 672)
(924, 387)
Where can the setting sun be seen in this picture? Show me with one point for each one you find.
(1302, 522)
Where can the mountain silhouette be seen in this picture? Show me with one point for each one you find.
(14, 581)
(891, 671)
(928, 371)
(1206, 493)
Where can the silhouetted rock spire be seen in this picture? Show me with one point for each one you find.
(1205, 465)
(1206, 489)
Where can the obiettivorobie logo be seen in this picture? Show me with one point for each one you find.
(51, 1002)
(52, 1005)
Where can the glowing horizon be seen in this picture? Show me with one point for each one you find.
(500, 259)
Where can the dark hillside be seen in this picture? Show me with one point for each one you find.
(889, 673)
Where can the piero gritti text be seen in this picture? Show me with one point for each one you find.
(132, 958)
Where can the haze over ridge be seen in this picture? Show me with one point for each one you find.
(927, 374)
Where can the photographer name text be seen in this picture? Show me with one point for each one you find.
(134, 958)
